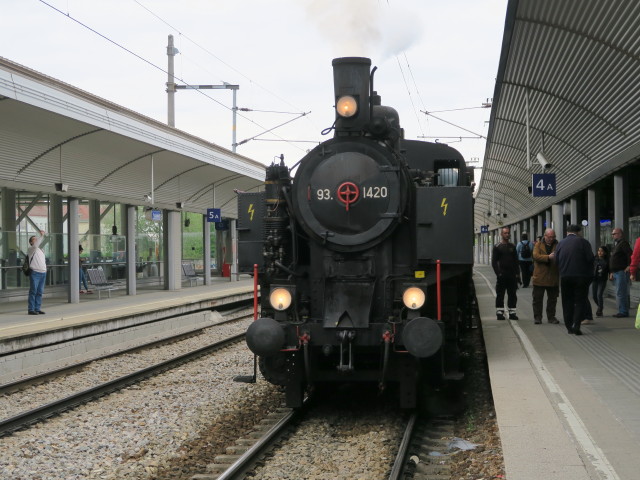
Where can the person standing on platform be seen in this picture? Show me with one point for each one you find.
(545, 277)
(83, 277)
(525, 258)
(38, 276)
(504, 261)
(575, 265)
(600, 277)
(619, 271)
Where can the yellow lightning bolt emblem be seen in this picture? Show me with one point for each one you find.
(444, 205)
(251, 211)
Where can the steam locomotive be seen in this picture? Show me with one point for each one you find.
(364, 257)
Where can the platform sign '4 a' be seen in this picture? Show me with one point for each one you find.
(544, 185)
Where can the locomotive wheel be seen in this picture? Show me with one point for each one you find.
(274, 368)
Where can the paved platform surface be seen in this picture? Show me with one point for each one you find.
(568, 407)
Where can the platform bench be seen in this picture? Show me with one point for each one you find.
(189, 271)
(99, 281)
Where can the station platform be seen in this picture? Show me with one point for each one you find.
(567, 407)
(31, 344)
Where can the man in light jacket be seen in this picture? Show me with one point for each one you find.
(37, 262)
(545, 277)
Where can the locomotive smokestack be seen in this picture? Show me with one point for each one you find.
(351, 87)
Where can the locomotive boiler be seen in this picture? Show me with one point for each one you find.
(363, 257)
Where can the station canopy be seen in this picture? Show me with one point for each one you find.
(569, 69)
(53, 133)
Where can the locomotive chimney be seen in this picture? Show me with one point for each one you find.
(351, 86)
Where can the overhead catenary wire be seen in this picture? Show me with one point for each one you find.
(453, 124)
(485, 105)
(150, 63)
(277, 126)
(214, 55)
(413, 106)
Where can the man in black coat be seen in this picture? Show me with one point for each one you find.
(504, 261)
(575, 264)
(619, 266)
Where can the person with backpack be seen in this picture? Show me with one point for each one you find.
(600, 277)
(525, 258)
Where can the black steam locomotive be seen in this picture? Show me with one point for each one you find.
(364, 257)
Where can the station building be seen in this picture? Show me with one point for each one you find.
(565, 106)
(133, 192)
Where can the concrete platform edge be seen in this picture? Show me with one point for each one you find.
(541, 435)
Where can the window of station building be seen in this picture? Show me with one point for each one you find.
(634, 229)
(149, 248)
(31, 216)
(193, 241)
(214, 266)
(634, 202)
(605, 210)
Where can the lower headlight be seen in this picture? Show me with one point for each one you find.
(280, 298)
(413, 298)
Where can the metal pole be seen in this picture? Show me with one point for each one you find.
(235, 113)
(171, 84)
(226, 86)
(438, 292)
(526, 107)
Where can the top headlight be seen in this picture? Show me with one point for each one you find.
(413, 298)
(347, 106)
(280, 299)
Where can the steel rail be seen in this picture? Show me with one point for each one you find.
(250, 456)
(399, 463)
(38, 377)
(22, 420)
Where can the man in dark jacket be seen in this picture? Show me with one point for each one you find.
(619, 262)
(575, 264)
(504, 261)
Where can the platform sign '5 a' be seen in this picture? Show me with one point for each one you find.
(544, 185)
(214, 215)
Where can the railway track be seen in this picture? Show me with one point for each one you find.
(56, 407)
(426, 449)
(249, 450)
(231, 315)
(423, 448)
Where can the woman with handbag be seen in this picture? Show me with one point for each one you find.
(38, 274)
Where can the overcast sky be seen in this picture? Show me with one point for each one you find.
(431, 55)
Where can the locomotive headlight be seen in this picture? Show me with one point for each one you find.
(347, 106)
(413, 298)
(280, 299)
